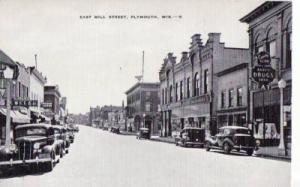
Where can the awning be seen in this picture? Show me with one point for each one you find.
(16, 116)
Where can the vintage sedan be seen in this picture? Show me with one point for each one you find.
(70, 134)
(60, 134)
(191, 136)
(35, 145)
(144, 133)
(232, 138)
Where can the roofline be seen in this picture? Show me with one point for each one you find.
(266, 5)
(141, 83)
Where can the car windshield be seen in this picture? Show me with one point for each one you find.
(242, 131)
(30, 132)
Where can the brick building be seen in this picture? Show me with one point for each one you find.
(189, 88)
(142, 106)
(270, 30)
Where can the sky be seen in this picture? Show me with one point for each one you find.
(94, 61)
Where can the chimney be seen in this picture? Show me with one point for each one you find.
(214, 37)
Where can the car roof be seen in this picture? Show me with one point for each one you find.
(193, 128)
(143, 128)
(58, 126)
(234, 127)
(43, 125)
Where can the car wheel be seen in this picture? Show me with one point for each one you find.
(249, 152)
(184, 144)
(207, 146)
(226, 148)
(48, 166)
(61, 153)
(67, 151)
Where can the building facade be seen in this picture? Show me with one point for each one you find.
(52, 95)
(142, 106)
(36, 92)
(232, 91)
(189, 88)
(270, 30)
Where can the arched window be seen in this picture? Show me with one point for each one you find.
(196, 84)
(163, 96)
(258, 46)
(289, 45)
(271, 42)
(171, 95)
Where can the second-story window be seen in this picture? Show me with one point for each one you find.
(171, 94)
(289, 50)
(223, 99)
(230, 98)
(181, 90)
(196, 84)
(205, 81)
(176, 92)
(188, 87)
(148, 107)
(239, 97)
(148, 94)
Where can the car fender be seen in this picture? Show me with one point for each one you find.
(48, 148)
(228, 140)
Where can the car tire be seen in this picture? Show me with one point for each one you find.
(61, 154)
(48, 166)
(249, 152)
(67, 151)
(207, 146)
(226, 148)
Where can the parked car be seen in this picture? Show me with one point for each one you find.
(60, 133)
(35, 145)
(144, 133)
(115, 129)
(232, 138)
(70, 134)
(191, 136)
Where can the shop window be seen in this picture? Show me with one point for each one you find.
(230, 98)
(205, 81)
(223, 99)
(289, 50)
(196, 84)
(188, 87)
(239, 97)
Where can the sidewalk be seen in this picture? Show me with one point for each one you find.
(128, 133)
(272, 152)
(163, 139)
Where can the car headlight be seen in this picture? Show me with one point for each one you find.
(36, 146)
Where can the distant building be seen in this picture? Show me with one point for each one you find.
(142, 106)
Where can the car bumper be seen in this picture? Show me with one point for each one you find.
(243, 147)
(11, 163)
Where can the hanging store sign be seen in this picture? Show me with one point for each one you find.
(263, 73)
(25, 103)
(46, 105)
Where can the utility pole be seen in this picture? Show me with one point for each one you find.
(35, 58)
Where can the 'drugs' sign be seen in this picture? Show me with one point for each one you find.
(263, 73)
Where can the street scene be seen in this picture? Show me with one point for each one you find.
(122, 160)
(92, 94)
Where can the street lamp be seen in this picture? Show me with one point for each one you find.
(7, 74)
(281, 85)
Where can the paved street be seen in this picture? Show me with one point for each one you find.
(100, 158)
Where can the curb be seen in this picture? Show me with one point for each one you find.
(164, 141)
(273, 157)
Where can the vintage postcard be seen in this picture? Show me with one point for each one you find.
(154, 93)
